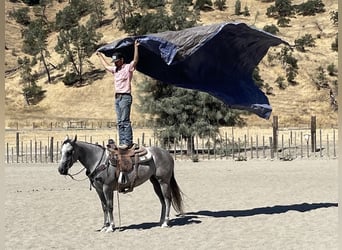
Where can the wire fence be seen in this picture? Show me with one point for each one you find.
(286, 144)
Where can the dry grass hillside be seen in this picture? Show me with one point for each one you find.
(94, 102)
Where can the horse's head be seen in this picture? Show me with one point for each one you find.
(69, 155)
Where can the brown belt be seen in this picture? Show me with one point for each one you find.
(117, 95)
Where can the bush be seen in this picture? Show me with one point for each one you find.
(203, 4)
(220, 4)
(310, 8)
(21, 16)
(70, 79)
(237, 7)
(246, 12)
(280, 81)
(33, 94)
(332, 69)
(283, 21)
(151, 4)
(271, 29)
(305, 41)
(31, 2)
(334, 45)
(334, 17)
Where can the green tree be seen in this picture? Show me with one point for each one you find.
(76, 45)
(321, 79)
(40, 9)
(310, 8)
(334, 17)
(221, 4)
(271, 29)
(332, 69)
(31, 91)
(334, 45)
(284, 7)
(203, 4)
(35, 42)
(290, 63)
(237, 10)
(280, 81)
(305, 41)
(184, 113)
(72, 13)
(21, 16)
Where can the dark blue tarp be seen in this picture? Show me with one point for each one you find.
(218, 59)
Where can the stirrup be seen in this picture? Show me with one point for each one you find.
(122, 178)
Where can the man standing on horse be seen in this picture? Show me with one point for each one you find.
(123, 74)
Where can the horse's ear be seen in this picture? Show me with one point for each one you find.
(75, 139)
(66, 138)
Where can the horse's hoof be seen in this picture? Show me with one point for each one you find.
(110, 230)
(165, 225)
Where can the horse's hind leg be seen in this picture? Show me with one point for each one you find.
(164, 195)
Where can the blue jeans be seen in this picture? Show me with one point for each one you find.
(123, 105)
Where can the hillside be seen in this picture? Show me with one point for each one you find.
(94, 102)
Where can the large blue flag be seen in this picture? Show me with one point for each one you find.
(218, 59)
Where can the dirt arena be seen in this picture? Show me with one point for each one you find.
(257, 204)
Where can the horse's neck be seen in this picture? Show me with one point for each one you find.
(90, 156)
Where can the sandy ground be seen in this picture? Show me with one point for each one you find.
(257, 204)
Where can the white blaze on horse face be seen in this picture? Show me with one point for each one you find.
(65, 149)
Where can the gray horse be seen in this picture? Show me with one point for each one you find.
(159, 169)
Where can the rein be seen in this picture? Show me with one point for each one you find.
(72, 175)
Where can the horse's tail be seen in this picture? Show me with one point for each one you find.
(177, 195)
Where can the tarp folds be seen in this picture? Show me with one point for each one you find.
(218, 59)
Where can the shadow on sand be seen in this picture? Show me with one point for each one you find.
(194, 217)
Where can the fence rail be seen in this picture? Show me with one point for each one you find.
(290, 144)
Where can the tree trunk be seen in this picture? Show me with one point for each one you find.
(45, 66)
(190, 146)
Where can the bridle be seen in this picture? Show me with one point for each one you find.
(91, 175)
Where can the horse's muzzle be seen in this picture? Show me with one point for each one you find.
(63, 169)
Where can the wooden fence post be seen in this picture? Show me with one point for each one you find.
(313, 134)
(275, 133)
(271, 147)
(51, 149)
(17, 146)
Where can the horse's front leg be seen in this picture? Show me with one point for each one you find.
(108, 191)
(104, 209)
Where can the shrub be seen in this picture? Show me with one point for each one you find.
(21, 16)
(332, 69)
(271, 29)
(305, 41)
(334, 45)
(33, 94)
(334, 17)
(70, 78)
(237, 10)
(220, 4)
(310, 8)
(203, 4)
(280, 81)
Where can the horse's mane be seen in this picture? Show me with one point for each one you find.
(72, 141)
